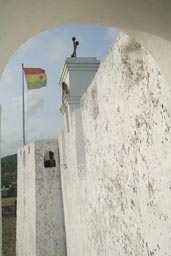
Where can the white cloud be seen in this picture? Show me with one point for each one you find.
(6, 76)
(10, 147)
(9, 73)
(34, 102)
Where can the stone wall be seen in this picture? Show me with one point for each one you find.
(115, 167)
(118, 202)
(26, 202)
(40, 221)
(0, 192)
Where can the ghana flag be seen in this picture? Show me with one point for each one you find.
(35, 78)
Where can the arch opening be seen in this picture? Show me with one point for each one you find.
(49, 159)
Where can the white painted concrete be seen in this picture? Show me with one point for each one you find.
(114, 162)
(118, 203)
(26, 201)
(40, 222)
(77, 74)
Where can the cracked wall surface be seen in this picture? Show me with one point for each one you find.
(119, 201)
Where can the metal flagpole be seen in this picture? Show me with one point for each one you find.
(23, 106)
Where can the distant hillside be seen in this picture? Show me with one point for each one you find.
(9, 164)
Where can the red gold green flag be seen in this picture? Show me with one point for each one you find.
(35, 78)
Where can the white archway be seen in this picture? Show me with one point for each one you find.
(148, 21)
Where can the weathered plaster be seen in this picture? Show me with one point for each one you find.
(26, 202)
(118, 203)
(40, 221)
(115, 167)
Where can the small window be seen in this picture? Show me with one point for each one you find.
(49, 159)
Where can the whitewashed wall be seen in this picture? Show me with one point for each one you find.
(26, 201)
(119, 202)
(0, 192)
(40, 221)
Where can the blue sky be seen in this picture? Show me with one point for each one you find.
(47, 50)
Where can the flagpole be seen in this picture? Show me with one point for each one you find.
(23, 106)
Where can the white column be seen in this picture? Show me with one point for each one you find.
(77, 75)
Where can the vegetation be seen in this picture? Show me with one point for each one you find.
(9, 176)
(9, 164)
